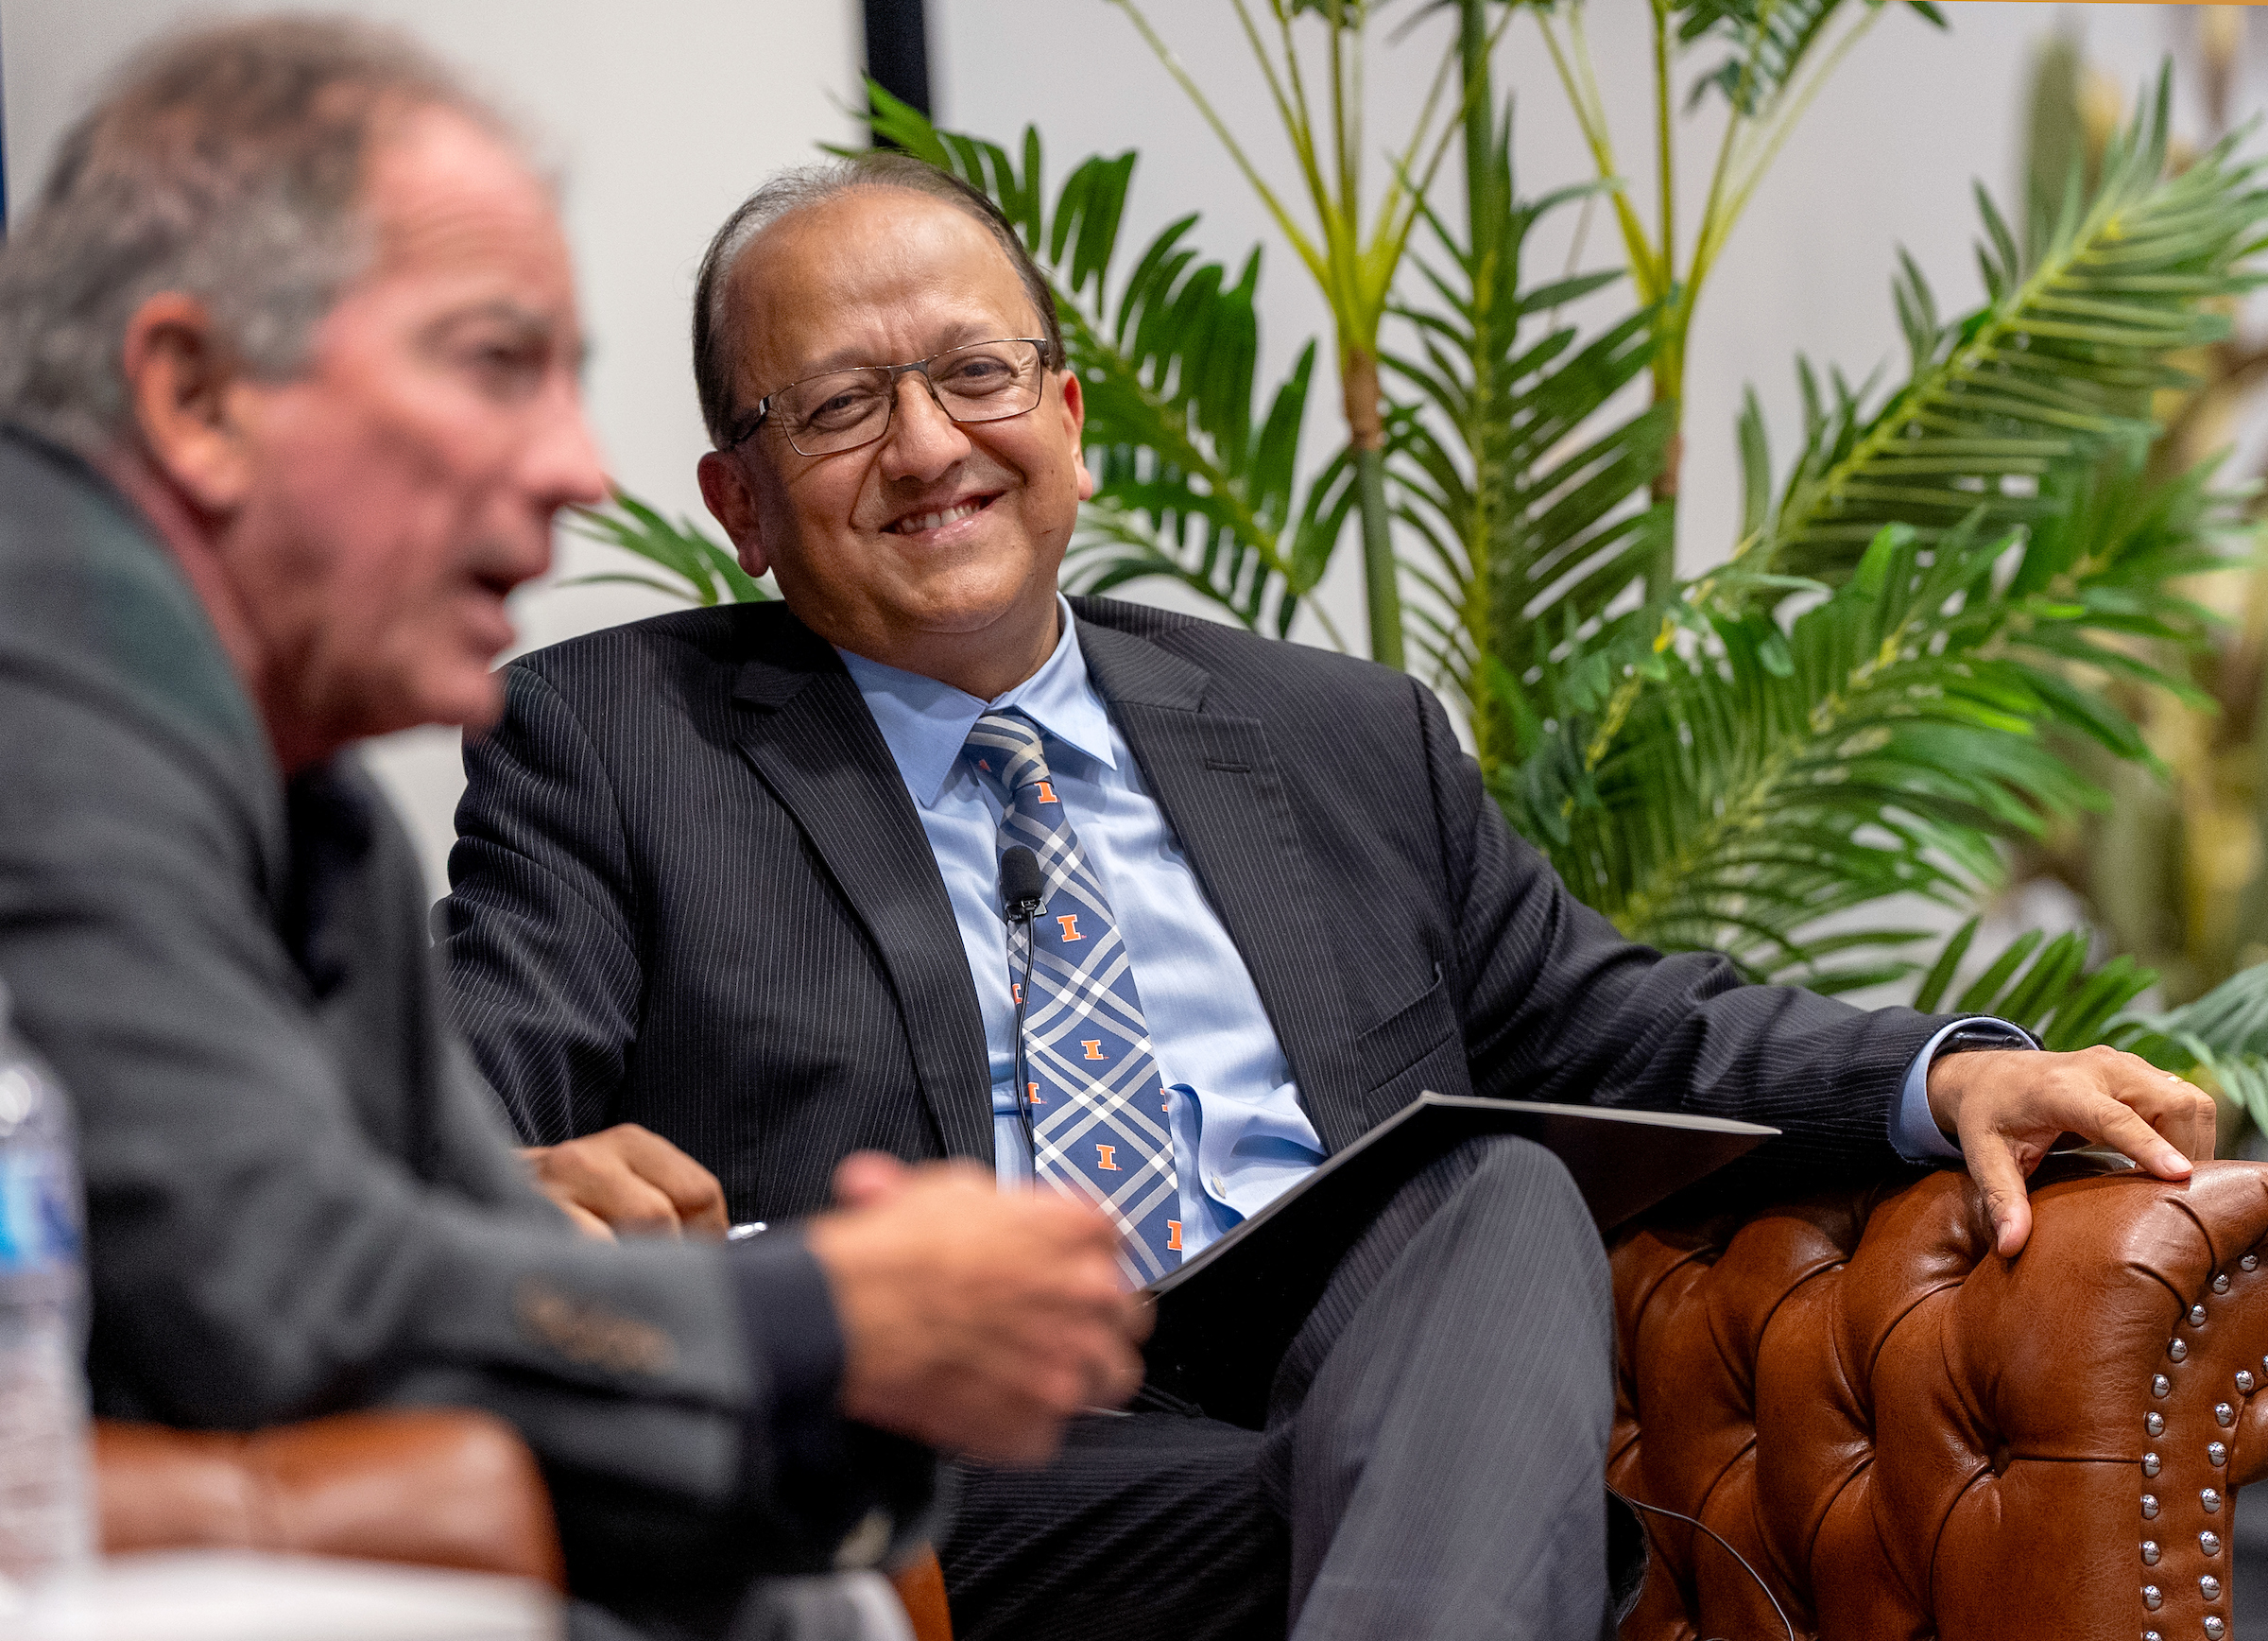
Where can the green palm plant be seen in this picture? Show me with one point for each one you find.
(1738, 771)
(1352, 250)
(1781, 53)
(1779, 774)
(1534, 519)
(2059, 364)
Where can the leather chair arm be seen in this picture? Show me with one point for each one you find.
(1905, 1434)
(434, 1488)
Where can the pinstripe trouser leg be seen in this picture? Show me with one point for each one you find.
(1439, 1433)
(1436, 1455)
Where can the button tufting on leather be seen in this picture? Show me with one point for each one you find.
(1825, 1378)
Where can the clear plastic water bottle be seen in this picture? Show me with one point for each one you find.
(46, 1518)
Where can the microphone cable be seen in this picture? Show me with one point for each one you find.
(1778, 1610)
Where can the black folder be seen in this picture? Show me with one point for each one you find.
(1225, 1319)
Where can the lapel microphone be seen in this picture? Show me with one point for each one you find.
(1023, 896)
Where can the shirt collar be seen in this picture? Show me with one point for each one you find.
(925, 723)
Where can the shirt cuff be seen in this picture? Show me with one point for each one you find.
(1914, 1131)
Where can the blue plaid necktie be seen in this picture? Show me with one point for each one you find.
(1099, 1128)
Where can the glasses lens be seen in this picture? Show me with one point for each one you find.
(836, 411)
(987, 381)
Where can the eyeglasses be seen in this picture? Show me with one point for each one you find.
(839, 410)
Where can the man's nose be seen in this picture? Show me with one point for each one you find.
(564, 467)
(923, 441)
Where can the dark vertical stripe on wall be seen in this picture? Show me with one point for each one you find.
(898, 50)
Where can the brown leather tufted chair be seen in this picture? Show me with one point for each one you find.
(1910, 1436)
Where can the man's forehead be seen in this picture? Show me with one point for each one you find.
(873, 267)
(441, 190)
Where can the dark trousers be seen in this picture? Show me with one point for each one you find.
(1432, 1466)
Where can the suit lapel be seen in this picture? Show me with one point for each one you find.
(1216, 778)
(810, 738)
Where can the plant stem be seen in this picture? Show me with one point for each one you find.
(1472, 45)
(1665, 147)
(1385, 596)
(1484, 235)
(1358, 380)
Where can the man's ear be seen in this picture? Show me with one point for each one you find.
(1075, 412)
(733, 503)
(188, 398)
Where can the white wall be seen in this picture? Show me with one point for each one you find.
(666, 112)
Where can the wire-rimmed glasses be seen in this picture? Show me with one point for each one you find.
(839, 410)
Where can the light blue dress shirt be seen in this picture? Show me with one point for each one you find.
(1240, 1137)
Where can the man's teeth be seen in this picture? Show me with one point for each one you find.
(937, 521)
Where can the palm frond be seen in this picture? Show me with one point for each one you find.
(2219, 1042)
(2057, 368)
(1535, 520)
(1196, 481)
(695, 567)
(1769, 39)
(2046, 986)
(1878, 744)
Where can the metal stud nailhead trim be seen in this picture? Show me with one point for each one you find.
(2250, 1262)
(2209, 1587)
(2160, 1385)
(2155, 1423)
(2149, 1465)
(2245, 1381)
(2211, 1499)
(2149, 1506)
(2149, 1552)
(2210, 1543)
(2180, 1352)
(2216, 1453)
(2214, 1629)
(2153, 1597)
(2221, 1283)
(2152, 1635)
(2223, 1413)
(2197, 1316)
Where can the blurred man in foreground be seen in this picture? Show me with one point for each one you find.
(289, 359)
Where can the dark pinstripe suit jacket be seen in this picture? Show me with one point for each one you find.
(691, 891)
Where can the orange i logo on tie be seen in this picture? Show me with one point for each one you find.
(1173, 1235)
(1094, 1047)
(1105, 1159)
(1047, 793)
(1071, 926)
(1032, 1094)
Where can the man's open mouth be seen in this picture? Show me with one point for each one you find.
(913, 524)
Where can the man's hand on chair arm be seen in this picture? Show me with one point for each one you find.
(974, 1322)
(2008, 1109)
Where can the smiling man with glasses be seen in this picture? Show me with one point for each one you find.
(736, 875)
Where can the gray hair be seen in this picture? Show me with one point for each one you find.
(715, 336)
(227, 164)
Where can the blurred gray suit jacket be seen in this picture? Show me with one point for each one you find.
(300, 1198)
